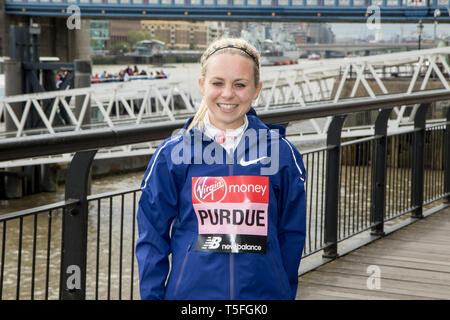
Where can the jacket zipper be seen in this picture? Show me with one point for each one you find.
(230, 173)
(183, 265)
(276, 271)
(231, 276)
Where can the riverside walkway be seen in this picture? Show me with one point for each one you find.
(413, 262)
(356, 191)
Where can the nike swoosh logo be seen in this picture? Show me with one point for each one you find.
(246, 163)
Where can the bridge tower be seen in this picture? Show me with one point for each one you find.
(3, 30)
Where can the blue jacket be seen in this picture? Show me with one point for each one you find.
(234, 231)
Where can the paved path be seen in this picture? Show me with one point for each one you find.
(414, 263)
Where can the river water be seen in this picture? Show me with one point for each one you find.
(181, 71)
(110, 243)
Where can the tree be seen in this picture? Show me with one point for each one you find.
(120, 47)
(139, 35)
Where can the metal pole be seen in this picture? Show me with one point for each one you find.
(447, 159)
(378, 207)
(418, 161)
(332, 187)
(74, 229)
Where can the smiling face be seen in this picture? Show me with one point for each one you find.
(228, 88)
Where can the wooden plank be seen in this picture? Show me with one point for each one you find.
(427, 234)
(413, 235)
(412, 263)
(410, 253)
(438, 227)
(401, 258)
(422, 290)
(312, 291)
(424, 231)
(389, 272)
(427, 230)
(387, 242)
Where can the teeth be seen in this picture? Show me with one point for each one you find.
(227, 106)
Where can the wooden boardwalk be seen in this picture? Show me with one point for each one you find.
(414, 263)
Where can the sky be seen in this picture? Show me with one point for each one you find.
(389, 30)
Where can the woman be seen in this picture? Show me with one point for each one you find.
(225, 196)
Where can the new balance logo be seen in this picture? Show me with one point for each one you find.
(212, 243)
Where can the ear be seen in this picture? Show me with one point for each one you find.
(201, 83)
(258, 90)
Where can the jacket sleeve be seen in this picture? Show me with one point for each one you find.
(156, 211)
(292, 220)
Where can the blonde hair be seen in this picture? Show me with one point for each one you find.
(226, 45)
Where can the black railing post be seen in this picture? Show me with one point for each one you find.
(447, 158)
(418, 161)
(332, 186)
(74, 229)
(378, 206)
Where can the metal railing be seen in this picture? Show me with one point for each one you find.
(116, 211)
(352, 186)
(133, 103)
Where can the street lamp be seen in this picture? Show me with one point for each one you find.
(419, 31)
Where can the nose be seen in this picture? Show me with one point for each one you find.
(227, 91)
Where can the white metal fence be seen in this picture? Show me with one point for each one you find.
(303, 84)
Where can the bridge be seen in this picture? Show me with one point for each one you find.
(69, 44)
(114, 105)
(285, 10)
(357, 192)
(364, 49)
(351, 47)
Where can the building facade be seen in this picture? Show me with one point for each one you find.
(178, 35)
(216, 30)
(119, 28)
(99, 36)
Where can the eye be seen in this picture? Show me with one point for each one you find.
(240, 85)
(217, 83)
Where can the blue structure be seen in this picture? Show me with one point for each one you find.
(280, 10)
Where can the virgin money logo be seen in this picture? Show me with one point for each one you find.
(210, 189)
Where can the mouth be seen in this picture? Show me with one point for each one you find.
(227, 107)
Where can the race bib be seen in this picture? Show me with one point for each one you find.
(232, 213)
